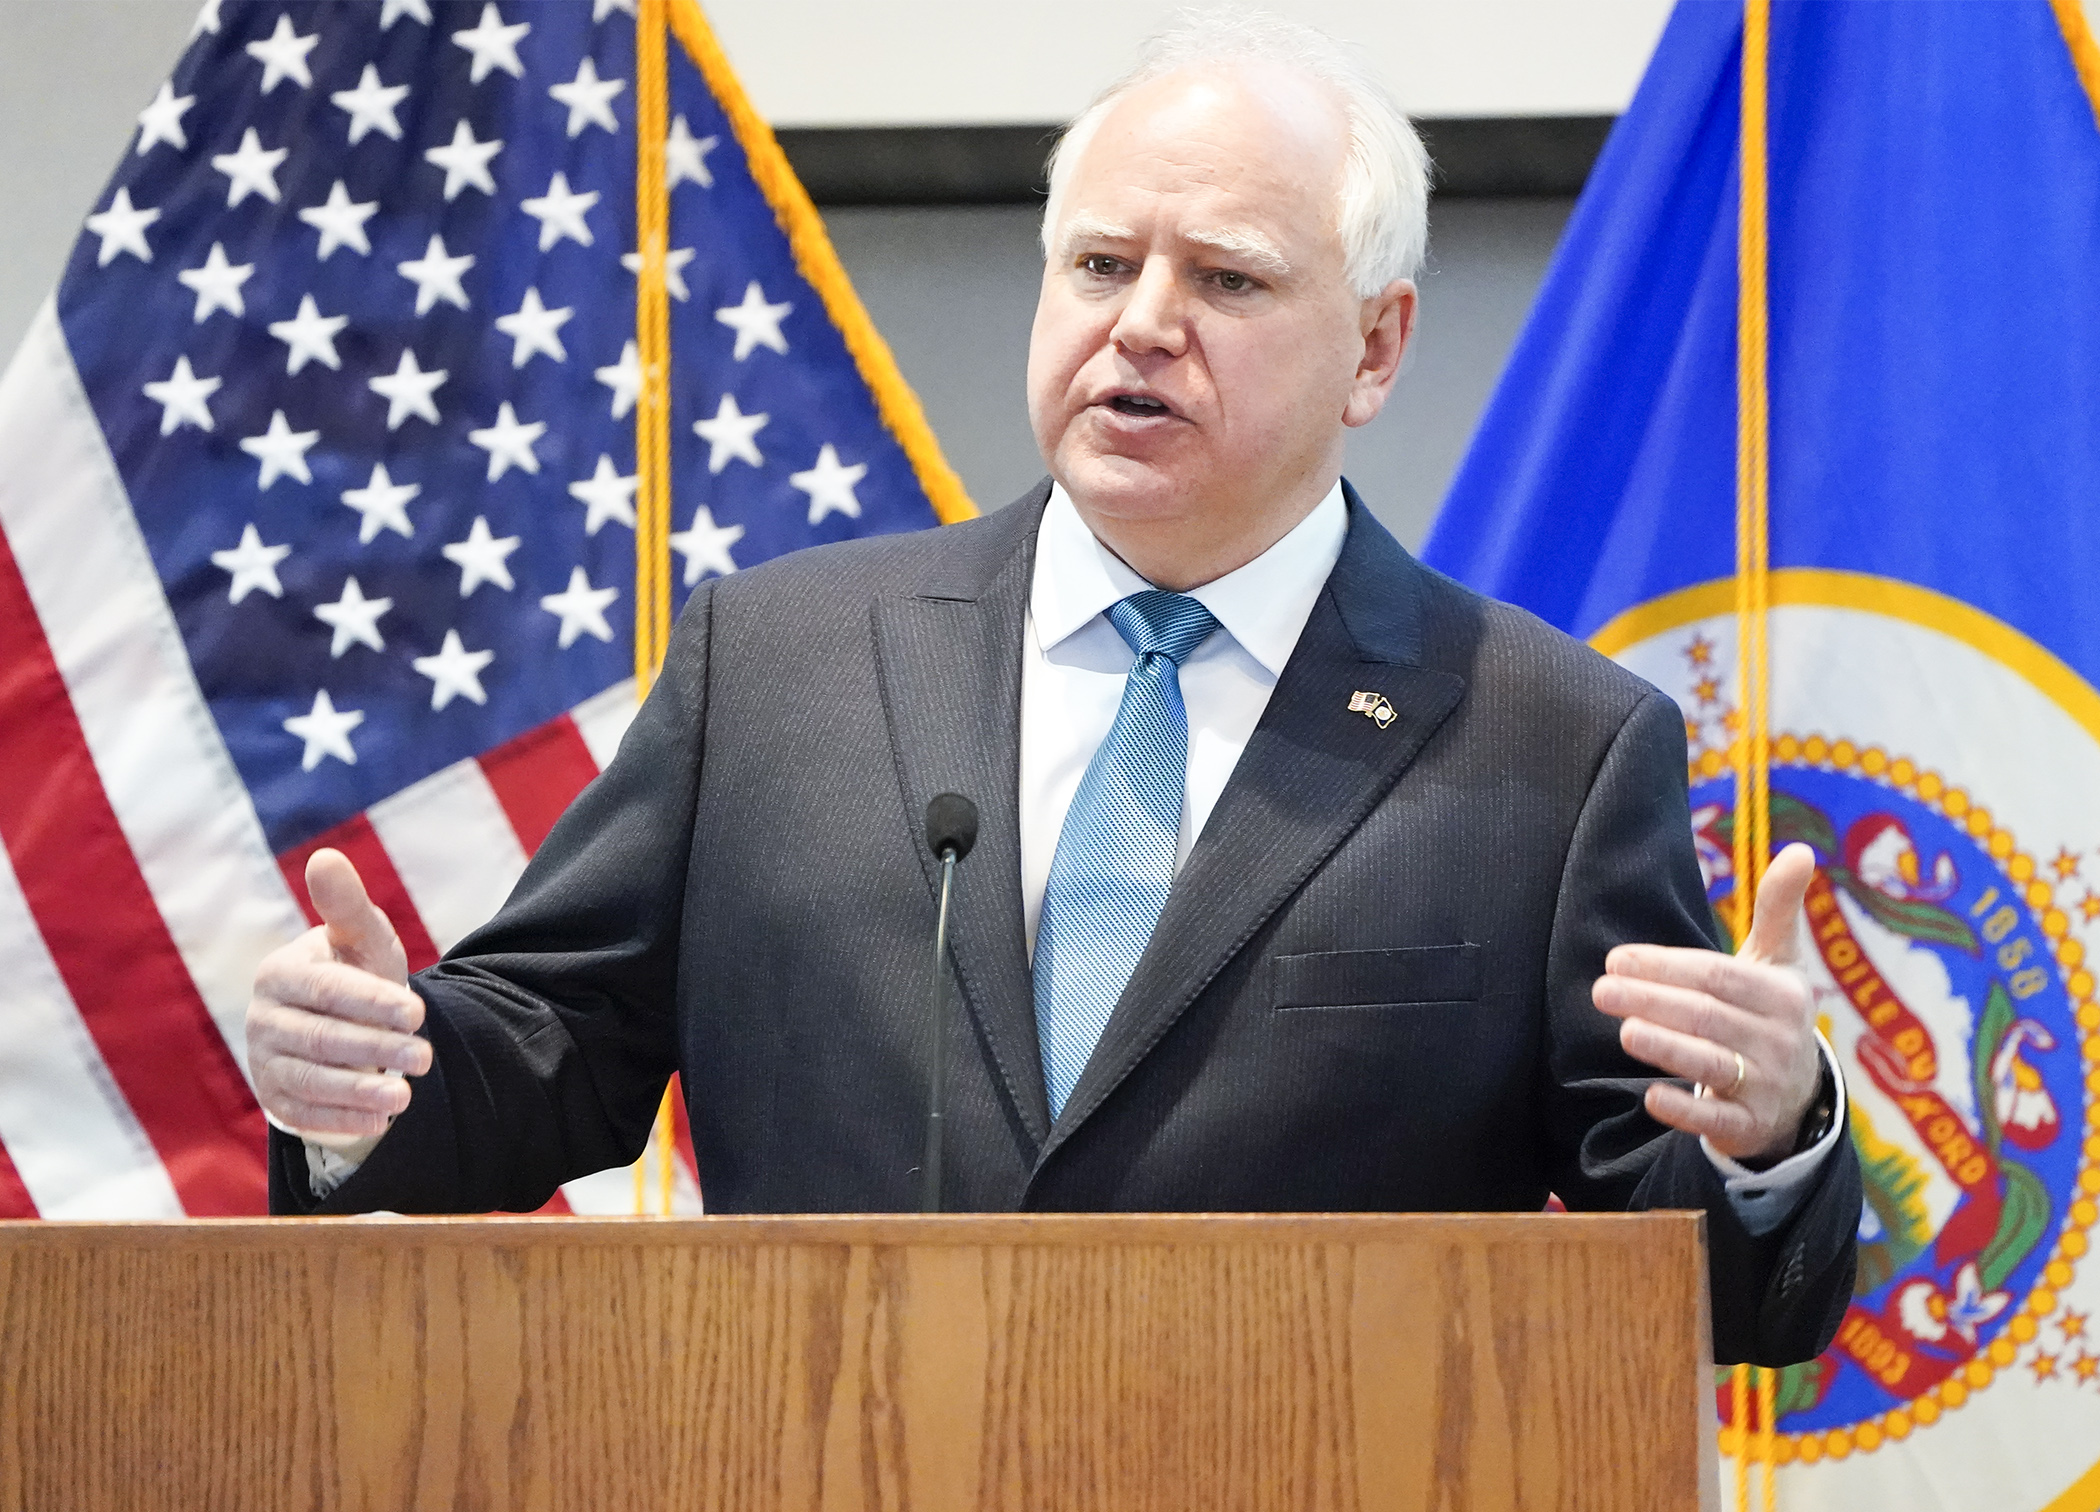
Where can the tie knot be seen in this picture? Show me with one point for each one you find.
(1168, 624)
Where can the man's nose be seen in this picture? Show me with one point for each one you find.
(1154, 317)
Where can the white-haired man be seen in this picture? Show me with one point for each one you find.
(1303, 873)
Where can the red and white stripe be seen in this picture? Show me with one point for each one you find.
(137, 891)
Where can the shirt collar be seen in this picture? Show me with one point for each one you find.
(1263, 605)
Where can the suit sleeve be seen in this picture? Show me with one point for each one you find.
(1631, 874)
(553, 1024)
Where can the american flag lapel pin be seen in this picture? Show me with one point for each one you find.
(1373, 706)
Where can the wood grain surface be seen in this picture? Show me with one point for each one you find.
(1084, 1364)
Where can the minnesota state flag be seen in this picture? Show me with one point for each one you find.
(1803, 431)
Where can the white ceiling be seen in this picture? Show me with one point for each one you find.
(921, 62)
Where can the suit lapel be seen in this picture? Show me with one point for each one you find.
(1313, 769)
(949, 660)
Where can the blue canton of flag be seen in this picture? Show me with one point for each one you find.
(354, 327)
(374, 274)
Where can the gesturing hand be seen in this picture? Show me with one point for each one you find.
(332, 1014)
(1744, 1026)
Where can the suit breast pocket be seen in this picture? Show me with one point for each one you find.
(1416, 975)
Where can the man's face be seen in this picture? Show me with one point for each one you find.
(1197, 349)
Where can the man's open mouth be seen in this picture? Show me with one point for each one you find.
(1138, 404)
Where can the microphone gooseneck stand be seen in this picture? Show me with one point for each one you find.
(951, 830)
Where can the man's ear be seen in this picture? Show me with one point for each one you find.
(1388, 326)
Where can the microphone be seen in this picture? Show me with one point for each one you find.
(951, 831)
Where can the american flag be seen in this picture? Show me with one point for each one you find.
(317, 509)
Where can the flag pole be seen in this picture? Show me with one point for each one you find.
(652, 426)
(1753, 592)
(1751, 750)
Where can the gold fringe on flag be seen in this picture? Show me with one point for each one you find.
(818, 262)
(2085, 54)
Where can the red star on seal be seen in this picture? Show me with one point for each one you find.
(2066, 865)
(2043, 1366)
(2072, 1324)
(1700, 653)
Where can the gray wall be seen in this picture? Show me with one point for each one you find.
(952, 289)
(74, 74)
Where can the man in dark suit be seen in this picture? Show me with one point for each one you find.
(1303, 874)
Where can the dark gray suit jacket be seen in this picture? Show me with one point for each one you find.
(1369, 989)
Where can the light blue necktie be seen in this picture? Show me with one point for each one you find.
(1115, 856)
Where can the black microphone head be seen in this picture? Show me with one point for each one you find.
(951, 824)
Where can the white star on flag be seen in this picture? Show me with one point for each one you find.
(454, 672)
(705, 547)
(830, 486)
(253, 566)
(436, 276)
(606, 496)
(340, 222)
(371, 106)
(756, 323)
(309, 336)
(250, 170)
(482, 558)
(207, 19)
(217, 284)
(326, 731)
(560, 212)
(161, 121)
(730, 434)
(465, 161)
(589, 99)
(581, 607)
(283, 56)
(354, 619)
(282, 451)
(600, 9)
(535, 328)
(408, 390)
(181, 396)
(394, 10)
(493, 44)
(122, 229)
(624, 378)
(685, 157)
(509, 442)
(674, 270)
(383, 505)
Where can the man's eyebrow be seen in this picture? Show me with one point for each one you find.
(1090, 228)
(1245, 242)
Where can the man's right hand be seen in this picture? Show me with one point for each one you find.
(332, 1014)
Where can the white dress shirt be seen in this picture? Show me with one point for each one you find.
(1073, 668)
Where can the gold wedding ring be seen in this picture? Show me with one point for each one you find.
(1741, 1071)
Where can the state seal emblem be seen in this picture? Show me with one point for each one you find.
(1947, 773)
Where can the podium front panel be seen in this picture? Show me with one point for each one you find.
(1075, 1363)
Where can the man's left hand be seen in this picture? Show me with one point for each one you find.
(1742, 1025)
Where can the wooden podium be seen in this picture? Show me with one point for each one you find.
(1083, 1364)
